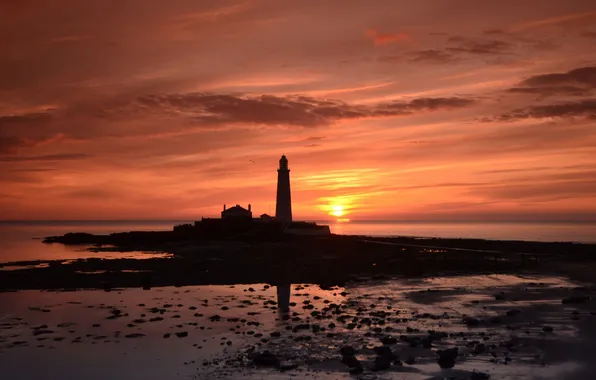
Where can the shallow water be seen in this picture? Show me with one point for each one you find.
(22, 241)
(90, 334)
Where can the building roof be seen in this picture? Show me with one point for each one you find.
(236, 208)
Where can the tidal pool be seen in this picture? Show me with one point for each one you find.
(507, 327)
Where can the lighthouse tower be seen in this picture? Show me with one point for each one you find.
(283, 207)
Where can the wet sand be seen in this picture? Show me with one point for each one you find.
(505, 326)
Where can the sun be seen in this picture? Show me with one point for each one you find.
(337, 210)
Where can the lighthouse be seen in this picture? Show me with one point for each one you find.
(283, 207)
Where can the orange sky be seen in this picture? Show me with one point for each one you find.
(389, 109)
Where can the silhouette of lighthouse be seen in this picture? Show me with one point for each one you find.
(283, 208)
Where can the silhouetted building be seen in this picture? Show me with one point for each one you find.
(266, 217)
(236, 212)
(283, 207)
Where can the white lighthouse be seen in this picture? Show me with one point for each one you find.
(283, 207)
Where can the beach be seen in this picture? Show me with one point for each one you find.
(504, 326)
(293, 307)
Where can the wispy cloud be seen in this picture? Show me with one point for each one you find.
(381, 39)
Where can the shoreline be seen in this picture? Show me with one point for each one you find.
(326, 260)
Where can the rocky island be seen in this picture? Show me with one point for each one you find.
(200, 255)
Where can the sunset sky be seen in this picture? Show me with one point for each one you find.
(386, 109)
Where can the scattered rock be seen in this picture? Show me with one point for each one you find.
(513, 312)
(347, 351)
(471, 321)
(266, 359)
(351, 361)
(135, 335)
(42, 331)
(356, 370)
(389, 340)
(182, 334)
(479, 376)
(575, 300)
(287, 366)
(480, 348)
(447, 357)
(382, 363)
(410, 360)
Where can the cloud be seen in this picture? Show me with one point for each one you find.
(7, 121)
(554, 20)
(91, 192)
(460, 47)
(541, 189)
(579, 109)
(209, 109)
(432, 56)
(549, 90)
(576, 82)
(583, 76)
(495, 32)
(48, 157)
(9, 144)
(382, 39)
(478, 46)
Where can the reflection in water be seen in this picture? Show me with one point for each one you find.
(283, 297)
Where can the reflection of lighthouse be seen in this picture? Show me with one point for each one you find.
(283, 208)
(283, 297)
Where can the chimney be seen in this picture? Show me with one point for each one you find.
(224, 207)
(249, 207)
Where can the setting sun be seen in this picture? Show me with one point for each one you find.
(337, 210)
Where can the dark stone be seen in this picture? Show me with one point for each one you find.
(426, 343)
(513, 312)
(135, 335)
(548, 329)
(382, 363)
(447, 357)
(351, 361)
(471, 321)
(182, 334)
(383, 351)
(265, 359)
(410, 361)
(479, 348)
(41, 331)
(389, 340)
(436, 335)
(500, 296)
(287, 366)
(575, 300)
(479, 376)
(347, 351)
(356, 370)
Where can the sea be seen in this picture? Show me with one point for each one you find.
(22, 240)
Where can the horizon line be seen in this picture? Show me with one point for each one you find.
(315, 220)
